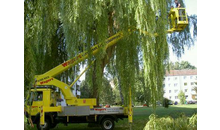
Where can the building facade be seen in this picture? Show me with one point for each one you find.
(177, 80)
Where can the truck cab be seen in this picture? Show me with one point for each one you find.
(47, 98)
(42, 96)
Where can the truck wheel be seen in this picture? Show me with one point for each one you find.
(46, 125)
(107, 124)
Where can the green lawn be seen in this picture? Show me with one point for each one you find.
(140, 117)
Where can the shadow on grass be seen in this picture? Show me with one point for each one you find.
(140, 118)
(173, 111)
(84, 126)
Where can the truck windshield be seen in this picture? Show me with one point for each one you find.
(38, 96)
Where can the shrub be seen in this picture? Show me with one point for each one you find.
(166, 102)
(182, 97)
(168, 123)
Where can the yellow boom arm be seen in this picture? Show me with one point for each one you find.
(48, 77)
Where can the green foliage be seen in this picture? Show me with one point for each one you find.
(193, 121)
(181, 65)
(106, 94)
(142, 92)
(166, 102)
(44, 45)
(85, 89)
(29, 65)
(27, 126)
(168, 123)
(182, 97)
(55, 30)
(117, 92)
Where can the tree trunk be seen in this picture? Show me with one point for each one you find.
(94, 83)
(104, 61)
(120, 91)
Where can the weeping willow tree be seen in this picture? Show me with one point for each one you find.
(44, 41)
(71, 26)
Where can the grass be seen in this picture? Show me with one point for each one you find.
(140, 117)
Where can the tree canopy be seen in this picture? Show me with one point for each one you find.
(56, 30)
(181, 65)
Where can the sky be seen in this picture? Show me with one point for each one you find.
(189, 55)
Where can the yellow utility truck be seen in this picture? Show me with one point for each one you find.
(43, 103)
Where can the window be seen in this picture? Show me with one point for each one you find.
(163, 85)
(170, 97)
(184, 77)
(185, 84)
(77, 87)
(192, 83)
(176, 97)
(175, 84)
(191, 77)
(182, 15)
(169, 91)
(186, 96)
(175, 91)
(52, 95)
(185, 90)
(169, 85)
(168, 79)
(175, 78)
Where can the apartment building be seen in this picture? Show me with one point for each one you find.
(177, 80)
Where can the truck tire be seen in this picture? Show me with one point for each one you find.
(107, 124)
(46, 125)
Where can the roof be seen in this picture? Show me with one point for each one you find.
(181, 72)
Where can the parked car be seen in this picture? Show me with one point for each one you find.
(175, 103)
(192, 102)
(159, 103)
(145, 105)
(170, 102)
(107, 106)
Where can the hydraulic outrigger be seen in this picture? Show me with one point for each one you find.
(83, 110)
